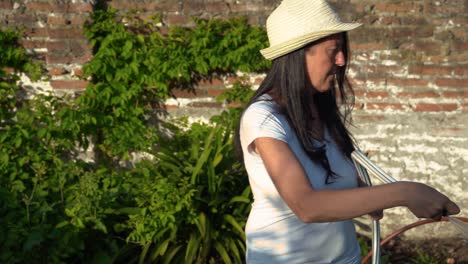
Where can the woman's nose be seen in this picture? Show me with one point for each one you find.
(340, 59)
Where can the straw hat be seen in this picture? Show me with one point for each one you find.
(296, 23)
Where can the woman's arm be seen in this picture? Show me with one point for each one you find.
(312, 205)
(376, 215)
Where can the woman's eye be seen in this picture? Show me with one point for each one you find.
(333, 51)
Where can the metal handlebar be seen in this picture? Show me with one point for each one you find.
(363, 166)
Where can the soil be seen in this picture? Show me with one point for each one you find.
(431, 251)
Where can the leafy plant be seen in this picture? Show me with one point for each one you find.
(423, 258)
(366, 246)
(203, 220)
(239, 93)
(71, 189)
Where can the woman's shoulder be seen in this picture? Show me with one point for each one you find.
(264, 104)
(264, 111)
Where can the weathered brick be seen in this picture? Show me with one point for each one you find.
(214, 92)
(367, 46)
(238, 7)
(376, 94)
(389, 20)
(442, 10)
(459, 33)
(258, 81)
(359, 93)
(37, 32)
(66, 33)
(451, 82)
(59, 8)
(154, 5)
(234, 79)
(430, 70)
(26, 19)
(418, 94)
(407, 82)
(57, 71)
(176, 19)
(370, 34)
(69, 84)
(212, 83)
(456, 58)
(461, 69)
(434, 59)
(465, 108)
(455, 94)
(413, 32)
(461, 46)
(433, 47)
(5, 4)
(447, 131)
(170, 107)
(217, 7)
(59, 20)
(59, 45)
(33, 44)
(401, 7)
(76, 47)
(380, 70)
(77, 72)
(414, 20)
(184, 93)
(205, 104)
(67, 59)
(79, 47)
(234, 104)
(384, 106)
(434, 107)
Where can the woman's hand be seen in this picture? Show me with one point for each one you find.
(426, 202)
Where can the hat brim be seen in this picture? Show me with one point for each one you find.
(286, 47)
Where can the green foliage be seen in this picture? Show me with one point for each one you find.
(186, 201)
(423, 258)
(203, 220)
(135, 66)
(239, 93)
(33, 165)
(366, 246)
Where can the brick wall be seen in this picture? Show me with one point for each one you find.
(409, 68)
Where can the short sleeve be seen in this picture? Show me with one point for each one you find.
(262, 120)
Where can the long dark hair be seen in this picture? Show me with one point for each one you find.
(286, 84)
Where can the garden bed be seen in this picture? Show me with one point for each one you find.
(428, 251)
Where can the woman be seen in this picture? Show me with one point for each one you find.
(296, 148)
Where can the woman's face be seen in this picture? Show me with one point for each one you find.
(322, 61)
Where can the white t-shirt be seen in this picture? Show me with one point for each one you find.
(274, 233)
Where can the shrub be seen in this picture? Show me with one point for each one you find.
(186, 201)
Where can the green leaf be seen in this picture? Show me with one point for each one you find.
(17, 186)
(231, 220)
(192, 248)
(204, 156)
(201, 223)
(143, 253)
(170, 255)
(34, 238)
(130, 211)
(160, 249)
(239, 199)
(62, 224)
(222, 252)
